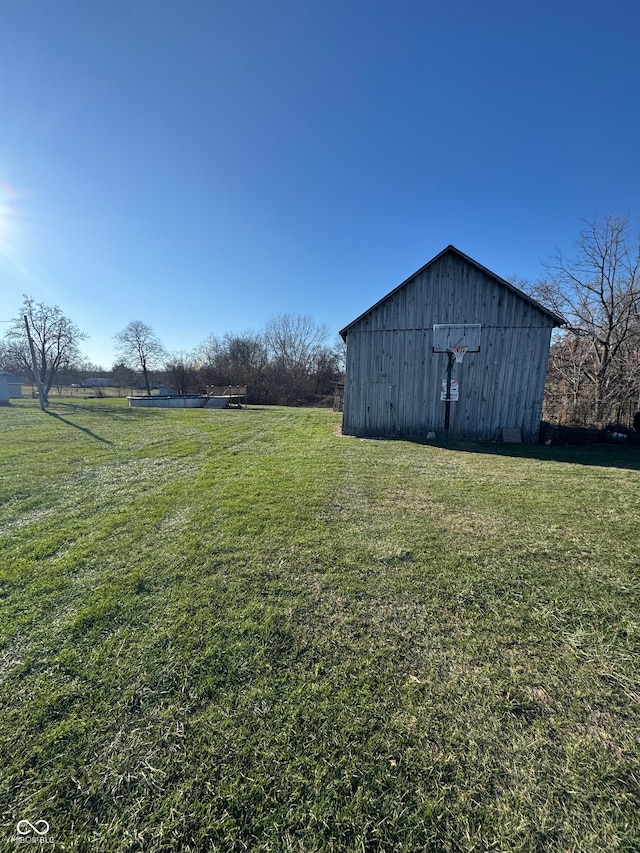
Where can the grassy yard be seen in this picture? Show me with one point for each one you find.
(241, 631)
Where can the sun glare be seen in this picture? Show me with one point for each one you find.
(6, 218)
(10, 243)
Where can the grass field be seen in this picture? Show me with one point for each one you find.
(241, 631)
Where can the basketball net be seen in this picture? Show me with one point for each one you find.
(458, 351)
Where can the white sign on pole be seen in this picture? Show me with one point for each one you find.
(453, 396)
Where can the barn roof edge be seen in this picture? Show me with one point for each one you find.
(7, 374)
(557, 319)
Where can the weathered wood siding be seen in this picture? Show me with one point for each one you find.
(393, 379)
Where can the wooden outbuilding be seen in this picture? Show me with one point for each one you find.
(10, 387)
(395, 382)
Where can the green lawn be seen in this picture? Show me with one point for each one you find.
(241, 631)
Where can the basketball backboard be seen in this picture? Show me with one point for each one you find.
(448, 335)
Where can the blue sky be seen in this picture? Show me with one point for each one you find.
(202, 164)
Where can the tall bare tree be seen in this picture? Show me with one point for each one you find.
(138, 347)
(295, 344)
(296, 341)
(181, 371)
(598, 293)
(235, 359)
(54, 346)
(288, 362)
(123, 377)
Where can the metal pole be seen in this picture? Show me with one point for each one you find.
(447, 401)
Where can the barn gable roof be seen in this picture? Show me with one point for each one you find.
(13, 380)
(556, 319)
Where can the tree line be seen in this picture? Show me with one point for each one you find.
(288, 362)
(594, 365)
(593, 377)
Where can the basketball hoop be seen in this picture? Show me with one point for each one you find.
(458, 351)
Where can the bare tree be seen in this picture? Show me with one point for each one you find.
(598, 293)
(245, 356)
(123, 377)
(138, 347)
(206, 353)
(295, 340)
(236, 359)
(327, 370)
(340, 354)
(286, 363)
(295, 344)
(55, 343)
(181, 371)
(567, 398)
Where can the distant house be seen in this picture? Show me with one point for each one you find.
(10, 386)
(394, 384)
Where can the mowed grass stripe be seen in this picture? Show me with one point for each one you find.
(243, 631)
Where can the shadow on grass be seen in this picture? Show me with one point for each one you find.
(76, 426)
(93, 406)
(107, 409)
(599, 455)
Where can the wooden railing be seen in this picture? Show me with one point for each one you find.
(236, 393)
